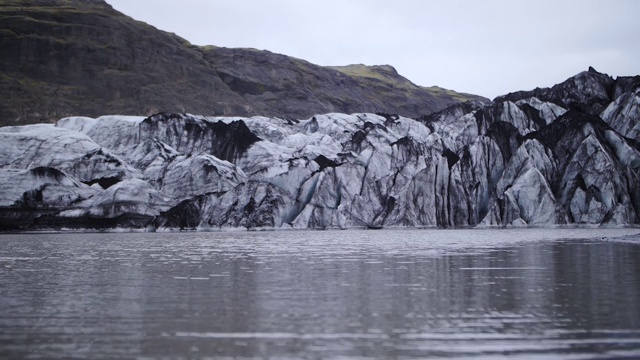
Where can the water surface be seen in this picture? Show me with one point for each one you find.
(476, 294)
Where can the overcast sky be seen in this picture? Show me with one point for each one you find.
(487, 48)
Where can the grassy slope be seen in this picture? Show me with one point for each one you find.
(387, 74)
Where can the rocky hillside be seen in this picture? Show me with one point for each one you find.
(572, 157)
(81, 57)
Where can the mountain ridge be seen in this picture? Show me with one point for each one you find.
(82, 57)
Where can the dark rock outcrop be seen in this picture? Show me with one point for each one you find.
(588, 92)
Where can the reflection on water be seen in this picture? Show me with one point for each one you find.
(478, 294)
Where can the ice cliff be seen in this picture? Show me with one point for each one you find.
(569, 154)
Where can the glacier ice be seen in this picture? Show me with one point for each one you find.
(528, 159)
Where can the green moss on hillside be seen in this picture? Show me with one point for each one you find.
(461, 97)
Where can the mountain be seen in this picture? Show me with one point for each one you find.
(566, 155)
(81, 57)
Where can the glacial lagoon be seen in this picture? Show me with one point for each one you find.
(471, 294)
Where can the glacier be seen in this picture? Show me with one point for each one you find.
(569, 154)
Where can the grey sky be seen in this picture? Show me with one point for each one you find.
(487, 48)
